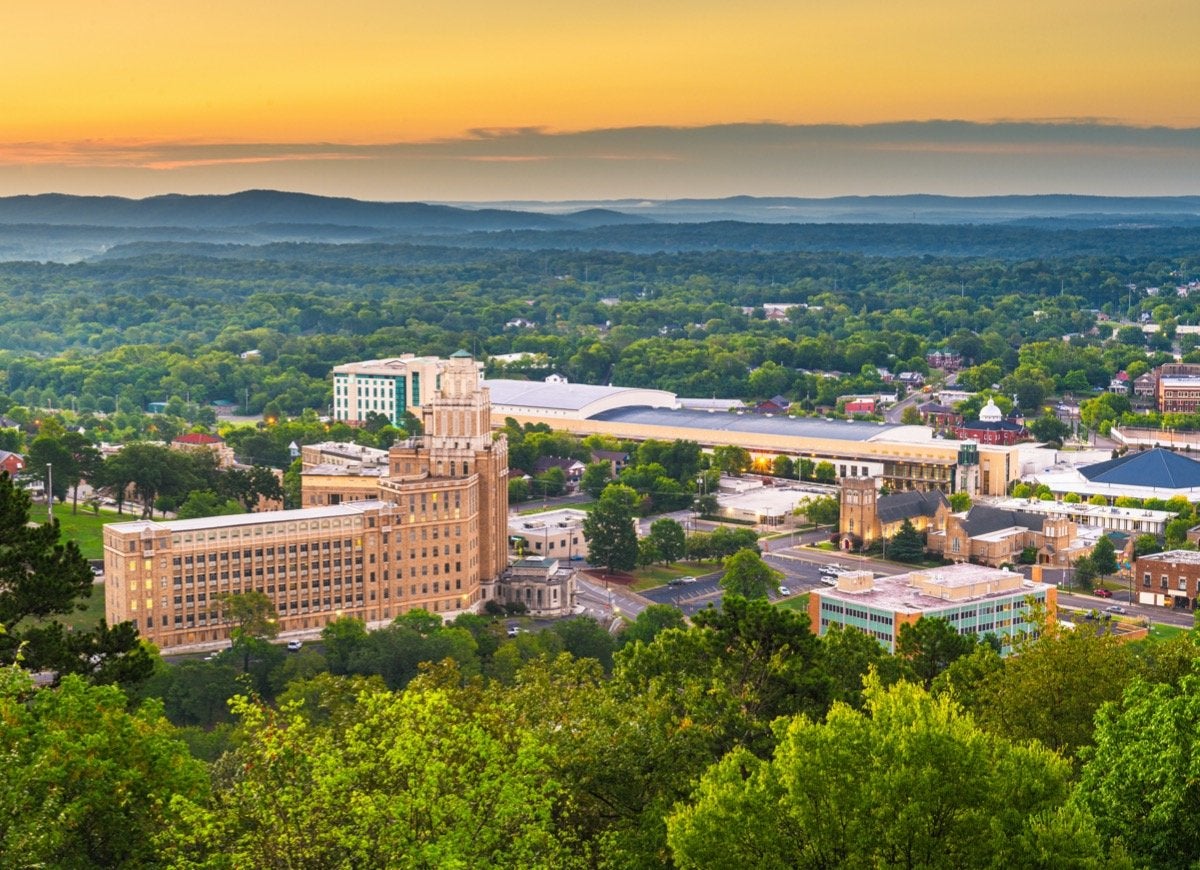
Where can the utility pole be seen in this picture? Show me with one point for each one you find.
(49, 493)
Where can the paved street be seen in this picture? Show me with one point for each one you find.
(598, 601)
(893, 414)
(800, 569)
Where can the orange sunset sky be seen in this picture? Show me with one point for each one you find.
(530, 99)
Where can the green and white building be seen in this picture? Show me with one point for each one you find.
(975, 599)
(391, 387)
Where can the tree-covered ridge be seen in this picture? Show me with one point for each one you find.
(148, 328)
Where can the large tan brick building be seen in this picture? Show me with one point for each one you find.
(431, 533)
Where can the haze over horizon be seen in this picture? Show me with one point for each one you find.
(477, 102)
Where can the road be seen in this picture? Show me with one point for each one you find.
(600, 601)
(801, 571)
(893, 413)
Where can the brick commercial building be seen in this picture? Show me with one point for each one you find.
(432, 535)
(976, 600)
(1177, 387)
(1168, 579)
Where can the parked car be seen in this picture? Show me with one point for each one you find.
(688, 578)
(1103, 593)
(295, 645)
(784, 591)
(513, 629)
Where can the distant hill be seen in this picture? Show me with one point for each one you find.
(914, 209)
(69, 228)
(257, 207)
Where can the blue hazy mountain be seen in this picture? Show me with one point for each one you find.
(66, 228)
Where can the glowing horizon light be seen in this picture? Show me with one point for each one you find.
(110, 98)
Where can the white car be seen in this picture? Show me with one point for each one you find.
(687, 579)
(784, 591)
(295, 645)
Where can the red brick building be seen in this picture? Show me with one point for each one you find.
(939, 416)
(992, 428)
(1168, 579)
(13, 463)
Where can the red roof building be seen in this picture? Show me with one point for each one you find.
(198, 439)
(13, 463)
(204, 441)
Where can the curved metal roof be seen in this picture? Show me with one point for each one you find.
(802, 427)
(583, 399)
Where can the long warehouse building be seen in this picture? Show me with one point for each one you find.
(902, 457)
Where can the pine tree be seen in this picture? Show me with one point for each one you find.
(42, 577)
(906, 545)
(39, 576)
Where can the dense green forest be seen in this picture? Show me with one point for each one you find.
(739, 740)
(129, 329)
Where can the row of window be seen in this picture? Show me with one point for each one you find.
(1164, 582)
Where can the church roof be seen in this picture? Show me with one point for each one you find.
(1158, 468)
(906, 505)
(982, 519)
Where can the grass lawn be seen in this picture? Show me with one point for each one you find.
(84, 527)
(92, 612)
(1160, 632)
(657, 575)
(795, 602)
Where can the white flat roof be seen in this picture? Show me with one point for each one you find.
(1089, 513)
(1186, 557)
(896, 594)
(763, 499)
(538, 522)
(396, 365)
(346, 509)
